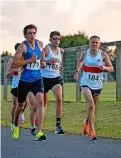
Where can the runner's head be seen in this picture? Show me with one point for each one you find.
(16, 46)
(55, 38)
(94, 43)
(30, 32)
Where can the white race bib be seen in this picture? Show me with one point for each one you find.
(34, 65)
(93, 77)
(52, 67)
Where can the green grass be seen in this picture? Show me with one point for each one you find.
(108, 118)
(108, 92)
(108, 113)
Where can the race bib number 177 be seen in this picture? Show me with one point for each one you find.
(33, 65)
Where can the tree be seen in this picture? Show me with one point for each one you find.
(5, 53)
(77, 39)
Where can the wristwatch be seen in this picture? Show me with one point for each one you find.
(76, 71)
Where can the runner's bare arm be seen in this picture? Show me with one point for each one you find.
(62, 51)
(40, 43)
(16, 59)
(80, 61)
(79, 64)
(41, 48)
(43, 63)
(108, 65)
(46, 50)
(43, 56)
(9, 71)
(61, 65)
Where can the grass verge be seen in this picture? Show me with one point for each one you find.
(107, 123)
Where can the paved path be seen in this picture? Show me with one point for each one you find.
(57, 146)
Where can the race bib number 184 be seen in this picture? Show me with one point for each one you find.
(33, 65)
(93, 77)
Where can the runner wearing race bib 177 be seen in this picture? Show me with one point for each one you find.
(31, 79)
(94, 62)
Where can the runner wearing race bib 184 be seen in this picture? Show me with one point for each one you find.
(94, 62)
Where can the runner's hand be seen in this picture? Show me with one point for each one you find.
(61, 68)
(43, 64)
(15, 69)
(76, 75)
(33, 58)
(102, 68)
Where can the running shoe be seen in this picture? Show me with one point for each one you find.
(15, 132)
(33, 131)
(85, 131)
(59, 130)
(40, 136)
(93, 136)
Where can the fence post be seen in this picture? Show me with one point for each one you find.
(62, 76)
(78, 93)
(5, 89)
(118, 73)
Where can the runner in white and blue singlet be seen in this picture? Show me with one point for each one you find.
(92, 75)
(51, 75)
(15, 73)
(94, 62)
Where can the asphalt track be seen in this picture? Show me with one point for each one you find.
(57, 146)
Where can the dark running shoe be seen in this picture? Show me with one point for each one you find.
(33, 131)
(59, 130)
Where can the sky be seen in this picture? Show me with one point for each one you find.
(94, 17)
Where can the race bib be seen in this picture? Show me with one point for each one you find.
(53, 66)
(33, 65)
(93, 77)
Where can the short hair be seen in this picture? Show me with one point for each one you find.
(31, 26)
(94, 36)
(54, 33)
(16, 46)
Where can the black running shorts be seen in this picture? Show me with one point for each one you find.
(49, 83)
(25, 87)
(95, 92)
(14, 91)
